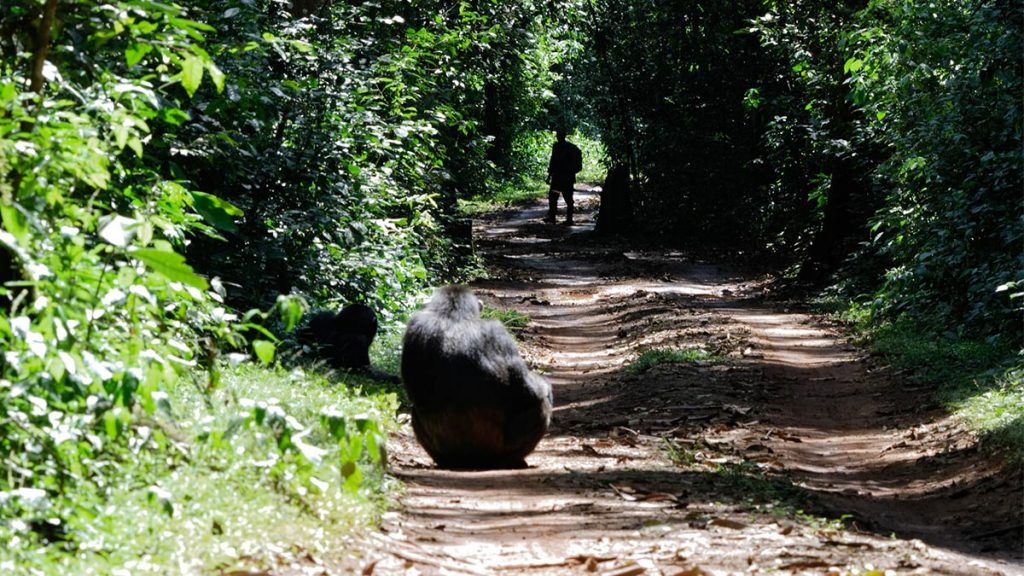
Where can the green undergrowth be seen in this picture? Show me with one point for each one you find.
(594, 158)
(505, 194)
(980, 381)
(272, 466)
(527, 184)
(651, 358)
(514, 320)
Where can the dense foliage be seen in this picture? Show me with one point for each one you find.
(164, 167)
(889, 131)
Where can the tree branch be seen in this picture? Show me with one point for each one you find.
(42, 45)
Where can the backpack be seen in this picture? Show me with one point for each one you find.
(577, 159)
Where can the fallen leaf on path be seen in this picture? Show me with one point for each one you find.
(782, 435)
(622, 431)
(695, 571)
(633, 570)
(624, 491)
(726, 523)
(902, 444)
(584, 558)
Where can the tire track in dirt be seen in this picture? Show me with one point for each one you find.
(677, 469)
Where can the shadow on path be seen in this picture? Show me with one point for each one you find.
(697, 465)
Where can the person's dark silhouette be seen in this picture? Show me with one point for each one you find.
(566, 161)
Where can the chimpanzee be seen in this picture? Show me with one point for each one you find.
(475, 404)
(342, 338)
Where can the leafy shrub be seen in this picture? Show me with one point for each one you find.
(268, 469)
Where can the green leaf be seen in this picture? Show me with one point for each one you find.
(174, 116)
(136, 145)
(290, 308)
(14, 221)
(120, 136)
(216, 75)
(191, 73)
(170, 265)
(853, 65)
(8, 91)
(218, 213)
(264, 350)
(136, 52)
(110, 425)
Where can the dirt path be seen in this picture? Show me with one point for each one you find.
(697, 467)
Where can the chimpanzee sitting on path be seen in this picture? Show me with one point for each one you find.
(475, 402)
(343, 338)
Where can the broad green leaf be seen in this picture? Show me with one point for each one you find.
(218, 213)
(8, 91)
(191, 73)
(14, 221)
(136, 145)
(170, 265)
(264, 350)
(216, 75)
(290, 308)
(136, 52)
(120, 136)
(175, 116)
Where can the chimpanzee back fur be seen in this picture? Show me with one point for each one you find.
(475, 402)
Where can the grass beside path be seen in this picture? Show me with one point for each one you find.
(274, 467)
(979, 381)
(505, 195)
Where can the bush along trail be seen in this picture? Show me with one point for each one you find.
(700, 427)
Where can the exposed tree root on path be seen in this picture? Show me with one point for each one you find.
(739, 463)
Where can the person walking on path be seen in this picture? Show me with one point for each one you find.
(566, 161)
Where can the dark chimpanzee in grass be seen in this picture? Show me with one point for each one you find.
(342, 338)
(475, 402)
